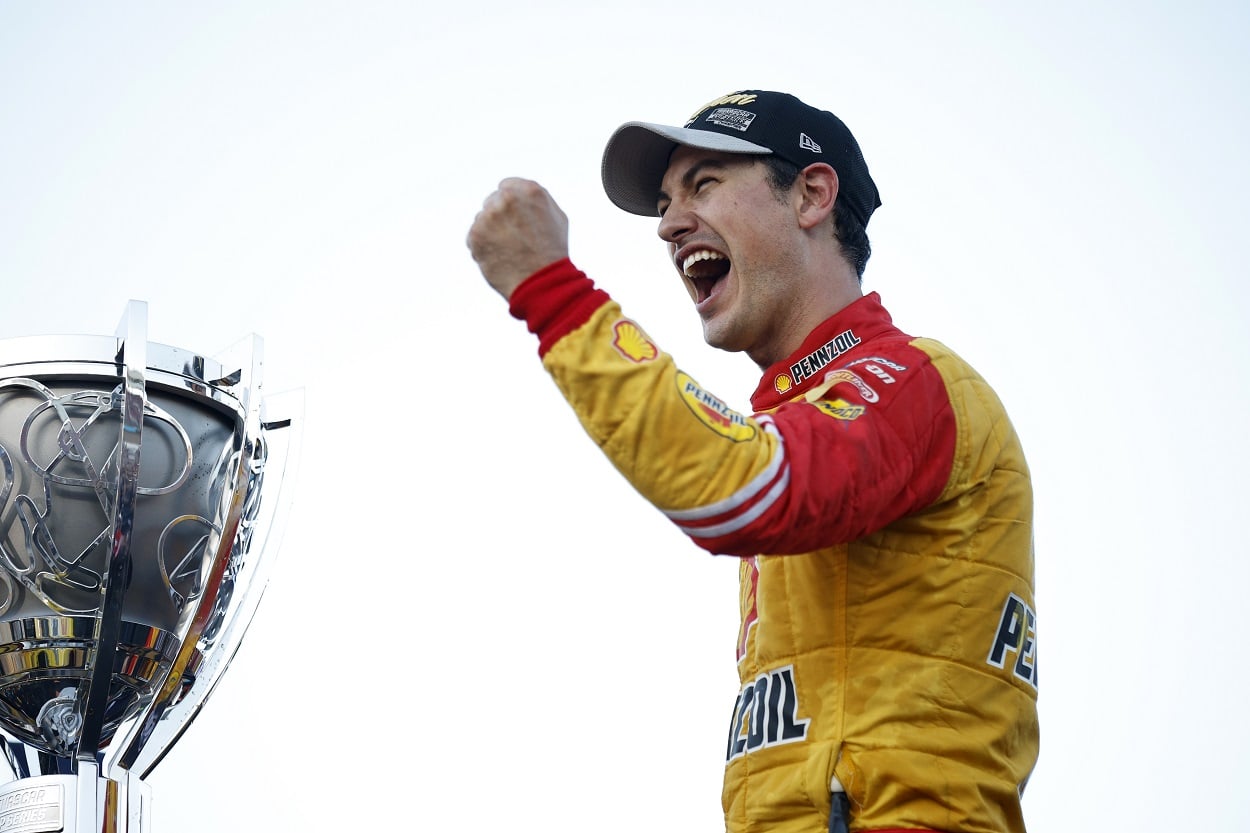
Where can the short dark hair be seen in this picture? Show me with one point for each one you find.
(848, 231)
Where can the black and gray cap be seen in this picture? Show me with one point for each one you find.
(755, 122)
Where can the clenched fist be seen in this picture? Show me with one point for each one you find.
(519, 230)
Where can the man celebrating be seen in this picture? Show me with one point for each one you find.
(878, 498)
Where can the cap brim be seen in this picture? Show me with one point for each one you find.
(637, 156)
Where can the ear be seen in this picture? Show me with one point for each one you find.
(817, 189)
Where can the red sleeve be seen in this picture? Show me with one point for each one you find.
(554, 301)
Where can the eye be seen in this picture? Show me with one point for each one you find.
(661, 208)
(701, 182)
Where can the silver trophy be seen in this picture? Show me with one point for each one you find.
(134, 547)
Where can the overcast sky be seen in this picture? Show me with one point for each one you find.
(474, 623)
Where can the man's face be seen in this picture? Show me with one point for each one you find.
(734, 243)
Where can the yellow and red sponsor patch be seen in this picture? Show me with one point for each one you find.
(837, 377)
(632, 343)
(712, 412)
(782, 383)
(840, 409)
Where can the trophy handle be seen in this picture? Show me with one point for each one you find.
(272, 453)
(132, 356)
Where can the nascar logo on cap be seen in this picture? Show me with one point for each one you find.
(733, 119)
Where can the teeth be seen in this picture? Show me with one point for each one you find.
(695, 257)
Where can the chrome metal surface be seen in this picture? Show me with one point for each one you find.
(135, 543)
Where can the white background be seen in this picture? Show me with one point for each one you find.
(474, 623)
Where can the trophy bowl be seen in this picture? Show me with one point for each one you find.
(134, 547)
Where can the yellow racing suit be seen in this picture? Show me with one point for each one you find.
(880, 504)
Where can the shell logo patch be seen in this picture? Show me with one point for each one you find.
(712, 412)
(632, 343)
(840, 409)
(782, 383)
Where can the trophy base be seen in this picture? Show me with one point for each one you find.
(82, 803)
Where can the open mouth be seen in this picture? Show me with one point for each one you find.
(704, 269)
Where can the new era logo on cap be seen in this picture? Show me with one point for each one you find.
(807, 143)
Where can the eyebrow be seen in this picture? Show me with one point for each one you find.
(688, 178)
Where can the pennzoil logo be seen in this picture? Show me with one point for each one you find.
(632, 343)
(712, 412)
(766, 714)
(818, 359)
(782, 383)
(835, 377)
(1016, 634)
(840, 409)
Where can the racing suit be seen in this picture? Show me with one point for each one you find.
(880, 504)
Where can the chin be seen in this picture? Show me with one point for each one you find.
(721, 339)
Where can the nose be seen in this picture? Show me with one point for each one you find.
(676, 223)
